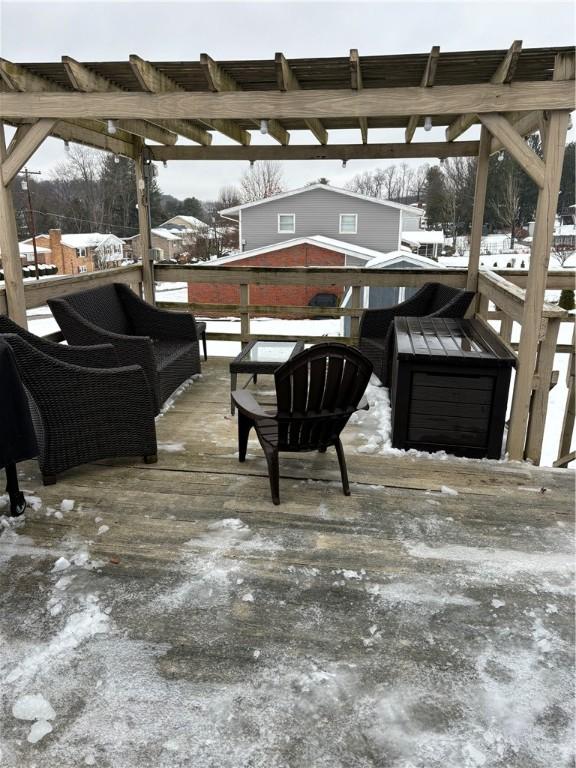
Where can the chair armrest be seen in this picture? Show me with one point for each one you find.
(79, 389)
(148, 320)
(456, 307)
(246, 403)
(97, 356)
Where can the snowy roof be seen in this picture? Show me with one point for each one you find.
(565, 230)
(89, 240)
(159, 232)
(325, 242)
(570, 262)
(385, 260)
(191, 221)
(327, 187)
(26, 248)
(423, 236)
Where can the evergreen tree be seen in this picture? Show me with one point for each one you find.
(566, 299)
(435, 196)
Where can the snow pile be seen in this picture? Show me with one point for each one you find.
(34, 707)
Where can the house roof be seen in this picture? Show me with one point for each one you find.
(89, 240)
(324, 242)
(159, 232)
(191, 221)
(26, 247)
(227, 211)
(423, 236)
(385, 260)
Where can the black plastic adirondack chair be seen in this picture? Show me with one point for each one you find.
(316, 393)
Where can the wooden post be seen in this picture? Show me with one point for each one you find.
(355, 303)
(570, 411)
(539, 405)
(483, 304)
(554, 145)
(11, 263)
(478, 209)
(506, 329)
(144, 225)
(244, 314)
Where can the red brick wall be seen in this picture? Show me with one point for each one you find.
(291, 295)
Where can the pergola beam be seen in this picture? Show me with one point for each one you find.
(426, 82)
(315, 152)
(514, 143)
(357, 85)
(221, 82)
(503, 75)
(23, 150)
(370, 102)
(83, 79)
(154, 81)
(287, 81)
(16, 78)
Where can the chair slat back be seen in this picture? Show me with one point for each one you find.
(317, 391)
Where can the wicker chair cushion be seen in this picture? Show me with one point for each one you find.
(103, 307)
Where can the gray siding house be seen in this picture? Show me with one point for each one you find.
(323, 210)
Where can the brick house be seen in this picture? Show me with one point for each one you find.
(77, 253)
(317, 251)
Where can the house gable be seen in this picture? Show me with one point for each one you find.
(317, 211)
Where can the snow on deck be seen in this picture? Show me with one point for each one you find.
(169, 615)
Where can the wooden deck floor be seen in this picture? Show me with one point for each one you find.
(425, 621)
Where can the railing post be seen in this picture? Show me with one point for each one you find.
(355, 303)
(244, 314)
(539, 404)
(506, 329)
(13, 280)
(144, 225)
(478, 208)
(554, 145)
(483, 306)
(570, 410)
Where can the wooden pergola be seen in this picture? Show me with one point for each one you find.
(120, 106)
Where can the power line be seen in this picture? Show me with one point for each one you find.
(79, 218)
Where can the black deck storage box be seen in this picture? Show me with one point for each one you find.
(449, 386)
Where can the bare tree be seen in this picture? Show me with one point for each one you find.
(369, 183)
(263, 179)
(506, 201)
(228, 197)
(78, 187)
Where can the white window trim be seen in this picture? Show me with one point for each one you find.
(355, 222)
(286, 231)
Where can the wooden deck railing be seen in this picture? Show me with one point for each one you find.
(504, 290)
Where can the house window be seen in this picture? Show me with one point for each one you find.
(80, 252)
(287, 222)
(348, 223)
(82, 269)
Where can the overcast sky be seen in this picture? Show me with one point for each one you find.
(93, 31)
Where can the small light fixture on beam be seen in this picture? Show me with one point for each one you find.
(427, 123)
(67, 147)
(500, 155)
(112, 126)
(264, 126)
(344, 163)
(165, 163)
(116, 159)
(251, 163)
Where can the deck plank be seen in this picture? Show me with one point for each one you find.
(399, 626)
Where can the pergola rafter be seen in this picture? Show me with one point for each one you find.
(427, 82)
(287, 81)
(356, 85)
(82, 79)
(219, 81)
(509, 93)
(503, 74)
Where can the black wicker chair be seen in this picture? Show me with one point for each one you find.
(316, 393)
(164, 343)
(376, 326)
(85, 407)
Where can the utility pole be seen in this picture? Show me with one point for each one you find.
(31, 227)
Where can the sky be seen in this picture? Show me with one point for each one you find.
(180, 31)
